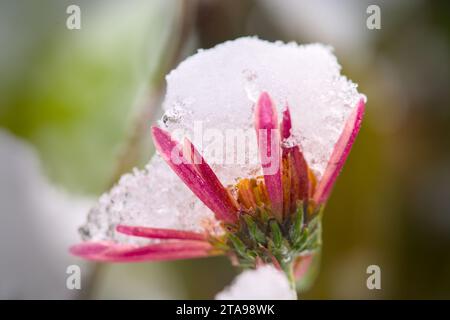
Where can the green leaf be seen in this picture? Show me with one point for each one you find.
(74, 91)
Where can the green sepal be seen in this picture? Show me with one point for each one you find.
(238, 245)
(256, 233)
(277, 236)
(264, 214)
(295, 231)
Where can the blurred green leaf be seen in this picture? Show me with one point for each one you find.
(75, 99)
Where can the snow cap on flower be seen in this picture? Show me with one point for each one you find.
(264, 283)
(217, 89)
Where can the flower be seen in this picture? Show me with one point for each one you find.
(269, 213)
(272, 219)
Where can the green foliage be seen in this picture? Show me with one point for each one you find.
(75, 98)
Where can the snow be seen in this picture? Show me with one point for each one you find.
(210, 97)
(152, 197)
(264, 283)
(219, 87)
(37, 223)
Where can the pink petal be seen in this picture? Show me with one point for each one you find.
(156, 233)
(302, 265)
(286, 124)
(299, 185)
(209, 194)
(202, 167)
(340, 154)
(113, 252)
(85, 249)
(266, 124)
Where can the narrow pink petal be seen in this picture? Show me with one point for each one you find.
(85, 249)
(266, 124)
(172, 153)
(339, 154)
(300, 167)
(95, 250)
(169, 250)
(302, 265)
(286, 124)
(202, 167)
(157, 233)
(162, 251)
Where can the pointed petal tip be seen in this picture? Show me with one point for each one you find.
(157, 131)
(196, 174)
(163, 142)
(340, 153)
(170, 250)
(264, 98)
(88, 250)
(264, 95)
(361, 107)
(265, 113)
(286, 124)
(268, 136)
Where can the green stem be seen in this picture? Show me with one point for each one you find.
(289, 271)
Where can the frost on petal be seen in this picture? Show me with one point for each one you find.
(214, 93)
(264, 283)
(154, 197)
(219, 87)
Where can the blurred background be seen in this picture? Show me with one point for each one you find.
(75, 112)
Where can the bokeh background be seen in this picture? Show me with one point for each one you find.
(75, 112)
